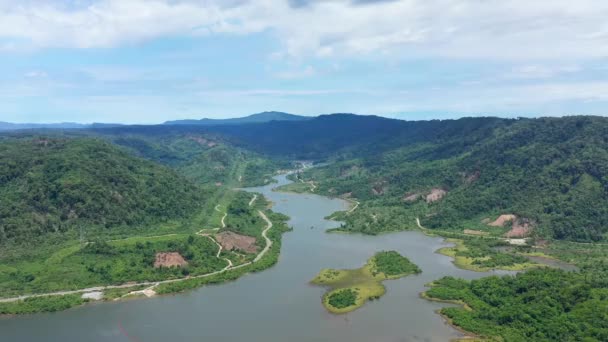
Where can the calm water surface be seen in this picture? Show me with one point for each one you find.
(277, 304)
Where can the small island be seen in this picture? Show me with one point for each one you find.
(350, 289)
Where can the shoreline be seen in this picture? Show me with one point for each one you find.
(468, 335)
(265, 256)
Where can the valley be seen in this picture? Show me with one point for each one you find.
(129, 212)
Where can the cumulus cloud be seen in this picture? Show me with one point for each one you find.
(453, 28)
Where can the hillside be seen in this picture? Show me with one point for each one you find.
(551, 173)
(206, 159)
(50, 185)
(548, 173)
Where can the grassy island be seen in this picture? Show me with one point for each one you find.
(350, 289)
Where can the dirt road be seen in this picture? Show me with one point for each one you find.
(153, 284)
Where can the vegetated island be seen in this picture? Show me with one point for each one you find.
(350, 289)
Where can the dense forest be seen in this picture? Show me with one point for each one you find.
(551, 173)
(539, 305)
(206, 159)
(50, 185)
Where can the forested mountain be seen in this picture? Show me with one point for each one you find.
(253, 118)
(548, 172)
(551, 173)
(57, 184)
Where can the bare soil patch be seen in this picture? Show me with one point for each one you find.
(502, 219)
(435, 195)
(520, 227)
(230, 241)
(169, 259)
(411, 197)
(519, 230)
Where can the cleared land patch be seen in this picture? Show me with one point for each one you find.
(435, 195)
(169, 259)
(233, 241)
(350, 289)
(520, 227)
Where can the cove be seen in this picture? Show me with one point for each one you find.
(277, 304)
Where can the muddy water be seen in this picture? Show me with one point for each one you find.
(277, 304)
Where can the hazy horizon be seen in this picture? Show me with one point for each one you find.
(415, 117)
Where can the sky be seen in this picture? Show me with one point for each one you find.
(148, 61)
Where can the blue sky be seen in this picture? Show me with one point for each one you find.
(136, 61)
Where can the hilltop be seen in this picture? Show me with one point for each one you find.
(55, 185)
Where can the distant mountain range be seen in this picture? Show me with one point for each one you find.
(253, 118)
(8, 126)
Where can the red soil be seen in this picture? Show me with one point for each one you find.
(230, 241)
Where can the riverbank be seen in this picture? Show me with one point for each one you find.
(61, 300)
(210, 312)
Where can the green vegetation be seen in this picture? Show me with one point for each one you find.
(393, 264)
(270, 258)
(244, 219)
(350, 289)
(539, 305)
(341, 299)
(204, 158)
(298, 188)
(41, 304)
(373, 218)
(549, 172)
(109, 263)
(78, 211)
(479, 255)
(56, 185)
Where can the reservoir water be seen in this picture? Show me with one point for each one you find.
(277, 304)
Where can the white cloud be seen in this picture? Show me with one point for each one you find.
(307, 71)
(535, 71)
(456, 28)
(35, 74)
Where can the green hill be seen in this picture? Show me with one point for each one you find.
(50, 185)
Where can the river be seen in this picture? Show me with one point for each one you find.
(277, 304)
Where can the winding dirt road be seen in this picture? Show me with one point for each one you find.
(255, 196)
(268, 241)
